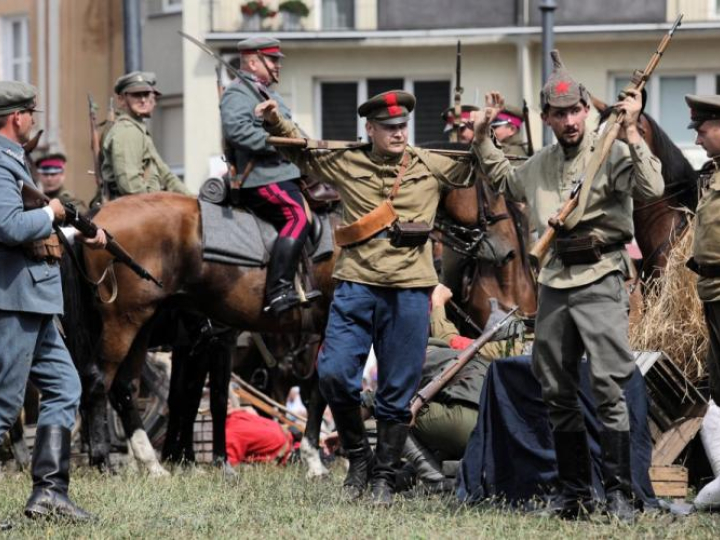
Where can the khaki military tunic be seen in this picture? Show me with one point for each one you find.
(706, 243)
(131, 163)
(546, 180)
(514, 146)
(67, 196)
(364, 179)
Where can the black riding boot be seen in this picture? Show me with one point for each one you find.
(351, 430)
(616, 472)
(390, 444)
(574, 498)
(280, 293)
(50, 474)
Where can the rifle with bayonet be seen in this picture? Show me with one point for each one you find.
(322, 144)
(565, 219)
(457, 97)
(33, 198)
(102, 194)
(430, 390)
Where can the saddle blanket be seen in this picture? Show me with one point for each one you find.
(238, 237)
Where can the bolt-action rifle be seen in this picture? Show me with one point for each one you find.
(457, 97)
(567, 218)
(33, 198)
(101, 194)
(427, 392)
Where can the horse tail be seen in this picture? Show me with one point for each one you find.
(81, 320)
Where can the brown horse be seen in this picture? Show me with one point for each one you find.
(660, 222)
(163, 233)
(492, 272)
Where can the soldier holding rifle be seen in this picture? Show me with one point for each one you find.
(390, 193)
(583, 304)
(30, 296)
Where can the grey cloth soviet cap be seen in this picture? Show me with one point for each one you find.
(137, 81)
(17, 96)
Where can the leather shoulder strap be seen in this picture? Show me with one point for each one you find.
(401, 173)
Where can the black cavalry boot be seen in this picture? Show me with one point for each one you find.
(50, 474)
(616, 473)
(280, 293)
(574, 498)
(390, 444)
(351, 430)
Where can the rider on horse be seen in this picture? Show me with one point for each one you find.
(269, 182)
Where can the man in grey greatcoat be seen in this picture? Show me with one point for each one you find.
(30, 296)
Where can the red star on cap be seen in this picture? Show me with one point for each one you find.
(562, 87)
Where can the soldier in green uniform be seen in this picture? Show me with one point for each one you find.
(705, 261)
(51, 169)
(130, 162)
(465, 131)
(507, 130)
(583, 304)
(383, 290)
(705, 116)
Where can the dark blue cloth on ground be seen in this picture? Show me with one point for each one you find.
(510, 455)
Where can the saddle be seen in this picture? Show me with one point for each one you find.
(239, 237)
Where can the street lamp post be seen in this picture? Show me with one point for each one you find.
(133, 35)
(547, 9)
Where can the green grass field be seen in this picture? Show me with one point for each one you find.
(271, 502)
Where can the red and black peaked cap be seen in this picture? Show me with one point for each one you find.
(390, 108)
(260, 45)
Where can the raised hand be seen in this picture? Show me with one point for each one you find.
(269, 111)
(494, 104)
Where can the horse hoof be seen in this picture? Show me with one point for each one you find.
(317, 473)
(311, 457)
(157, 471)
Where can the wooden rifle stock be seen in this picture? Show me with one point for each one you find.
(430, 390)
(101, 189)
(33, 198)
(600, 154)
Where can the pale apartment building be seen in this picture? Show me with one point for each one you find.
(68, 49)
(344, 51)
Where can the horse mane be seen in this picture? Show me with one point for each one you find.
(522, 227)
(676, 169)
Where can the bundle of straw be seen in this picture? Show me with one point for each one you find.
(672, 319)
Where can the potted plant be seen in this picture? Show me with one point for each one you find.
(292, 12)
(253, 12)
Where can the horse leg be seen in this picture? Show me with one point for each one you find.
(310, 446)
(220, 367)
(177, 404)
(93, 410)
(121, 398)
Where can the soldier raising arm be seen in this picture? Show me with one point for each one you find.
(382, 297)
(582, 303)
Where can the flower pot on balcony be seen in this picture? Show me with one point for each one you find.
(291, 22)
(252, 23)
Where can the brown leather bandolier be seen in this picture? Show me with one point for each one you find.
(380, 219)
(48, 249)
(583, 249)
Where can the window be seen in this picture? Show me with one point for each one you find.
(666, 102)
(338, 14)
(339, 102)
(15, 41)
(171, 6)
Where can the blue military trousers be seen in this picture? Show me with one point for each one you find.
(31, 349)
(396, 322)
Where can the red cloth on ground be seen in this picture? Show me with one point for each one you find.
(252, 438)
(460, 342)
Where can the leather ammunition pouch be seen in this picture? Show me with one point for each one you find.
(367, 226)
(703, 270)
(48, 250)
(583, 249)
(409, 233)
(319, 196)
